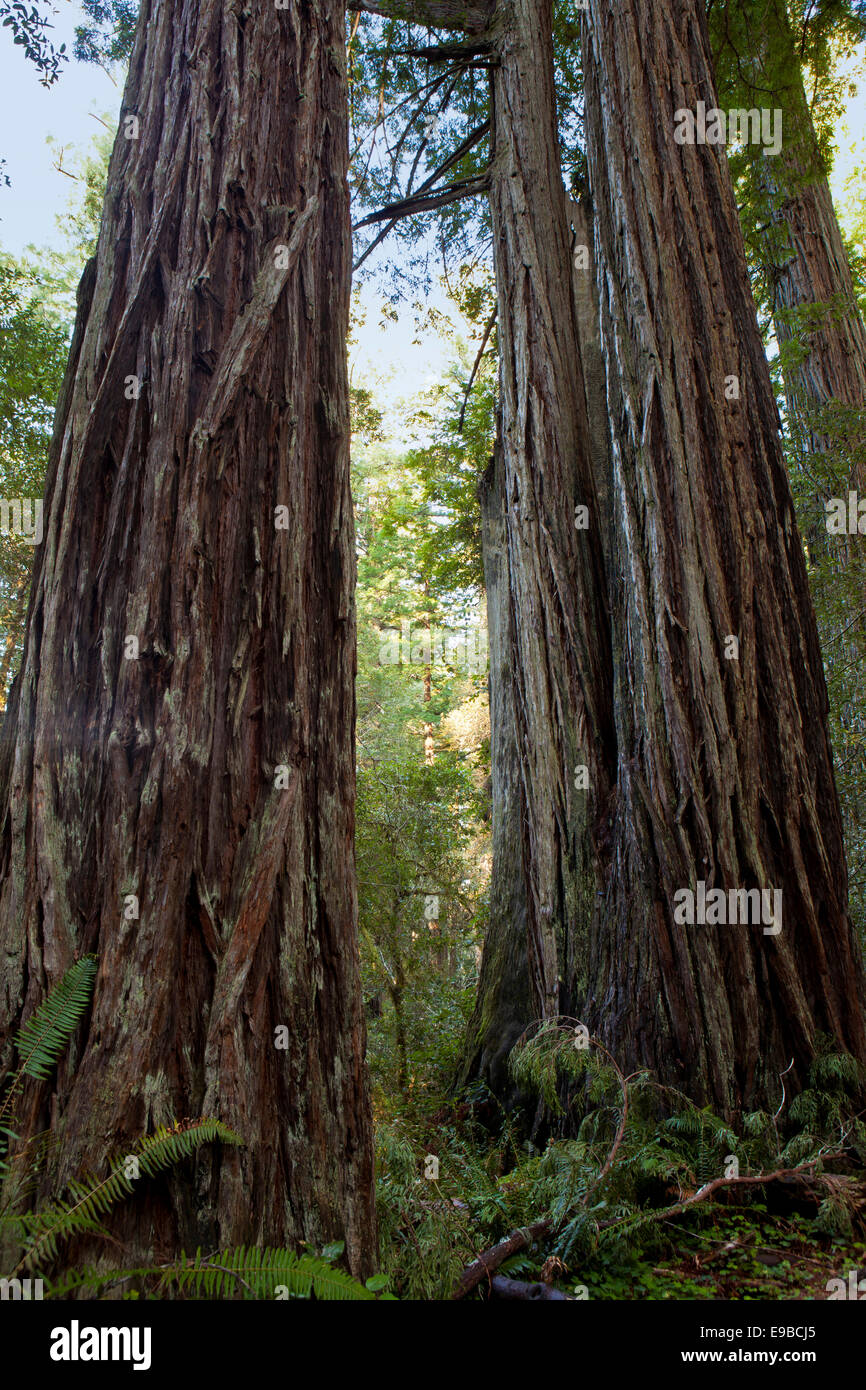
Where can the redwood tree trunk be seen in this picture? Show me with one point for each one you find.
(823, 343)
(562, 656)
(816, 274)
(221, 285)
(725, 770)
(504, 1003)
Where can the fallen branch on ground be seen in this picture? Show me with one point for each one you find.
(501, 1287)
(491, 1259)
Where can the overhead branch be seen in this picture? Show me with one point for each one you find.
(395, 211)
(448, 52)
(435, 14)
(456, 73)
(425, 202)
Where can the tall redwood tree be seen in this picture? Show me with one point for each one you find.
(177, 784)
(725, 769)
(680, 666)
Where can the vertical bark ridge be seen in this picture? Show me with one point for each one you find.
(561, 625)
(725, 770)
(221, 284)
(505, 1003)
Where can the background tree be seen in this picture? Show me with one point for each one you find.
(37, 310)
(421, 665)
(514, 131)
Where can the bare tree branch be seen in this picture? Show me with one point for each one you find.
(436, 14)
(424, 202)
(404, 208)
(448, 52)
(492, 1259)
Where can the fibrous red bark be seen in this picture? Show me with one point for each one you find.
(562, 655)
(198, 502)
(725, 769)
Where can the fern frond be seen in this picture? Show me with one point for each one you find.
(92, 1281)
(89, 1200)
(252, 1273)
(43, 1037)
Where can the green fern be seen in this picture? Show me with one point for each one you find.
(232, 1274)
(253, 1273)
(43, 1037)
(87, 1201)
(47, 1031)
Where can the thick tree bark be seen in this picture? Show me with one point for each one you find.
(504, 1003)
(818, 273)
(823, 351)
(725, 771)
(562, 663)
(823, 340)
(221, 285)
(720, 758)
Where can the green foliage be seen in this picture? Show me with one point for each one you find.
(450, 467)
(429, 1230)
(79, 224)
(608, 1191)
(37, 306)
(42, 1039)
(422, 764)
(108, 36)
(47, 1031)
(613, 1235)
(414, 827)
(89, 1200)
(34, 342)
(243, 1273)
(255, 1273)
(30, 31)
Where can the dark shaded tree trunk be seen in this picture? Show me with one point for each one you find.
(397, 991)
(504, 1003)
(725, 770)
(213, 776)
